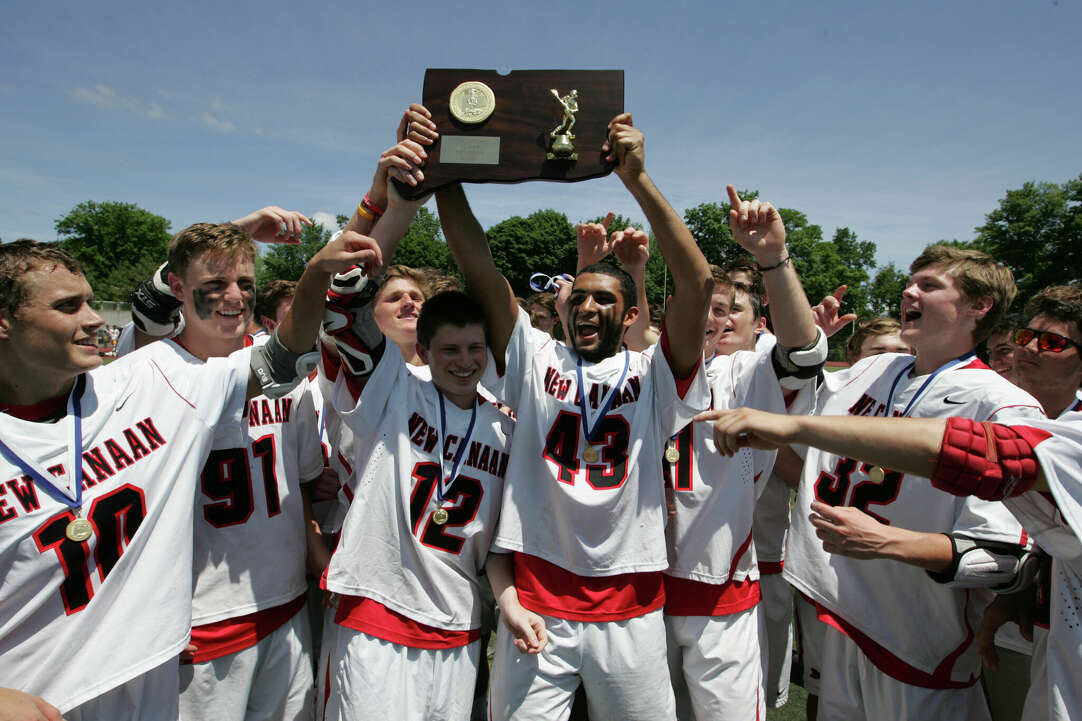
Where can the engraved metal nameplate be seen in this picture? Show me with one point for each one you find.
(470, 149)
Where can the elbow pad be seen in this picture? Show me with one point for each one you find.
(977, 563)
(795, 367)
(349, 323)
(154, 308)
(279, 369)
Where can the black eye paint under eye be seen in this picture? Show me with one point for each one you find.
(204, 301)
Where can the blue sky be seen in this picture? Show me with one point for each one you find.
(905, 122)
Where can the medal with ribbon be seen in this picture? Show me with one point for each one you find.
(589, 430)
(878, 474)
(440, 515)
(78, 529)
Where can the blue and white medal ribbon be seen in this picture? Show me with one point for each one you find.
(78, 529)
(877, 474)
(440, 516)
(591, 454)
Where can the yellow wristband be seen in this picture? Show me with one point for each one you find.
(365, 213)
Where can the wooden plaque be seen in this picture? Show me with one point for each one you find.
(512, 144)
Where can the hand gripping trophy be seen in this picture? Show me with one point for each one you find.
(562, 148)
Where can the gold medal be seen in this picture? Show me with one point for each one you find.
(439, 516)
(877, 474)
(590, 454)
(472, 102)
(79, 530)
(671, 454)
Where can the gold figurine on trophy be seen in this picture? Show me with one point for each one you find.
(562, 135)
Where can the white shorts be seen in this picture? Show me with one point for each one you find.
(326, 645)
(621, 664)
(156, 689)
(810, 634)
(270, 680)
(716, 667)
(776, 615)
(376, 680)
(854, 689)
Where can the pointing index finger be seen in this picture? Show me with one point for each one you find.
(606, 221)
(734, 199)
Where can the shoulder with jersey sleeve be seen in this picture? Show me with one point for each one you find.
(214, 389)
(990, 396)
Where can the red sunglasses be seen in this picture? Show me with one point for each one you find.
(1046, 340)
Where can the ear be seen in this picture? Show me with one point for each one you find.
(5, 325)
(176, 285)
(630, 316)
(423, 353)
(268, 323)
(980, 307)
(760, 326)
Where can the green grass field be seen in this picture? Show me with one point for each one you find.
(792, 711)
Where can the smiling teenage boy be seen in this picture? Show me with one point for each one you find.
(100, 466)
(897, 598)
(583, 510)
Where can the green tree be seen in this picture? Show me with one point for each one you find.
(1037, 232)
(423, 245)
(287, 262)
(118, 244)
(544, 242)
(709, 225)
(885, 291)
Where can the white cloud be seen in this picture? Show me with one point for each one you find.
(222, 126)
(105, 97)
(101, 95)
(327, 220)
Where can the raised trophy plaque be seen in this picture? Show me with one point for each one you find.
(526, 125)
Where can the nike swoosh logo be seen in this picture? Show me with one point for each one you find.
(122, 401)
(953, 402)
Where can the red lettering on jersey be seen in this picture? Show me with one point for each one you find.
(448, 447)
(475, 453)
(26, 492)
(482, 463)
(98, 464)
(863, 407)
(150, 433)
(287, 406)
(138, 450)
(502, 470)
(120, 458)
(277, 410)
(268, 417)
(253, 414)
(6, 514)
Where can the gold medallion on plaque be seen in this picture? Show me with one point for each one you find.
(590, 455)
(439, 516)
(472, 102)
(672, 455)
(78, 530)
(877, 474)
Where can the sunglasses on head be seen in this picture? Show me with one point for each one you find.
(1046, 340)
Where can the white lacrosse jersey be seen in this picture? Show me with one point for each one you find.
(392, 549)
(598, 518)
(80, 618)
(1055, 522)
(710, 536)
(249, 518)
(926, 629)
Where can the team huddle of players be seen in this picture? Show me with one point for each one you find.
(622, 495)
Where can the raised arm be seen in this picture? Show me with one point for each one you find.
(686, 320)
(403, 161)
(759, 229)
(632, 248)
(297, 332)
(468, 244)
